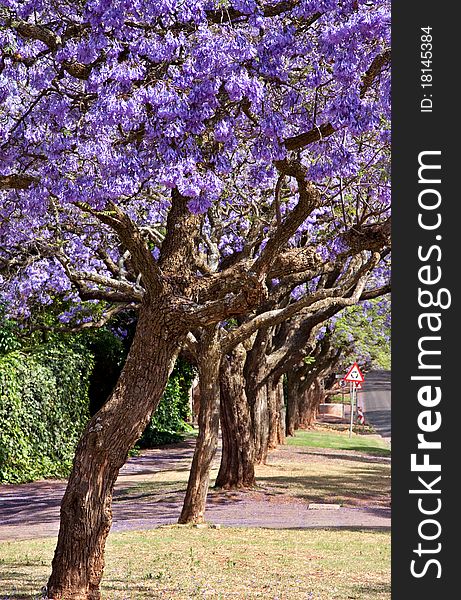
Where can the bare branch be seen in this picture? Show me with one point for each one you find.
(16, 181)
(295, 260)
(309, 199)
(379, 62)
(38, 32)
(178, 247)
(309, 137)
(309, 304)
(133, 240)
(326, 129)
(103, 320)
(368, 236)
(43, 34)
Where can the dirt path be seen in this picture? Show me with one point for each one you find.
(31, 511)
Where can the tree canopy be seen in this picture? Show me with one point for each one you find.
(110, 109)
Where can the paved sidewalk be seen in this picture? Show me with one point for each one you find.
(31, 510)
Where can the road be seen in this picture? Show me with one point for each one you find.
(376, 401)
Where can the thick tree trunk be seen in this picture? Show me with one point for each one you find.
(293, 395)
(86, 514)
(273, 412)
(260, 423)
(237, 460)
(310, 403)
(199, 479)
(304, 403)
(281, 414)
(254, 371)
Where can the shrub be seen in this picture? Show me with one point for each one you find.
(43, 409)
(109, 353)
(169, 420)
(49, 388)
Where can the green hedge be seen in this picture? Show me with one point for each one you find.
(169, 420)
(49, 388)
(43, 409)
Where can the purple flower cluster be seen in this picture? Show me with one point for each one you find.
(124, 100)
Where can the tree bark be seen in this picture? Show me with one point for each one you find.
(237, 460)
(260, 423)
(311, 400)
(275, 405)
(86, 513)
(281, 414)
(272, 410)
(254, 371)
(209, 359)
(293, 393)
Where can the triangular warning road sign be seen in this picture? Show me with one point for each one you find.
(354, 374)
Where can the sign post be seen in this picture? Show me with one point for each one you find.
(355, 377)
(351, 391)
(342, 385)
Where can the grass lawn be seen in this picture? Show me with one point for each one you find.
(337, 481)
(179, 563)
(339, 440)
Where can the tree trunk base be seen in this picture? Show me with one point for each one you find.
(227, 487)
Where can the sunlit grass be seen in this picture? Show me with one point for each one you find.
(346, 478)
(340, 440)
(178, 563)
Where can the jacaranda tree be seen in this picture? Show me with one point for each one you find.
(124, 125)
(243, 386)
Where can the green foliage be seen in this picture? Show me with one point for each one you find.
(43, 409)
(50, 383)
(8, 334)
(109, 353)
(343, 399)
(364, 335)
(169, 420)
(340, 441)
(8, 339)
(105, 344)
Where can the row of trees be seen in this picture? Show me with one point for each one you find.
(222, 170)
(241, 370)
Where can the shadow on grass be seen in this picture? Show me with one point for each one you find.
(363, 458)
(16, 584)
(374, 450)
(150, 491)
(21, 596)
(353, 529)
(370, 591)
(362, 485)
